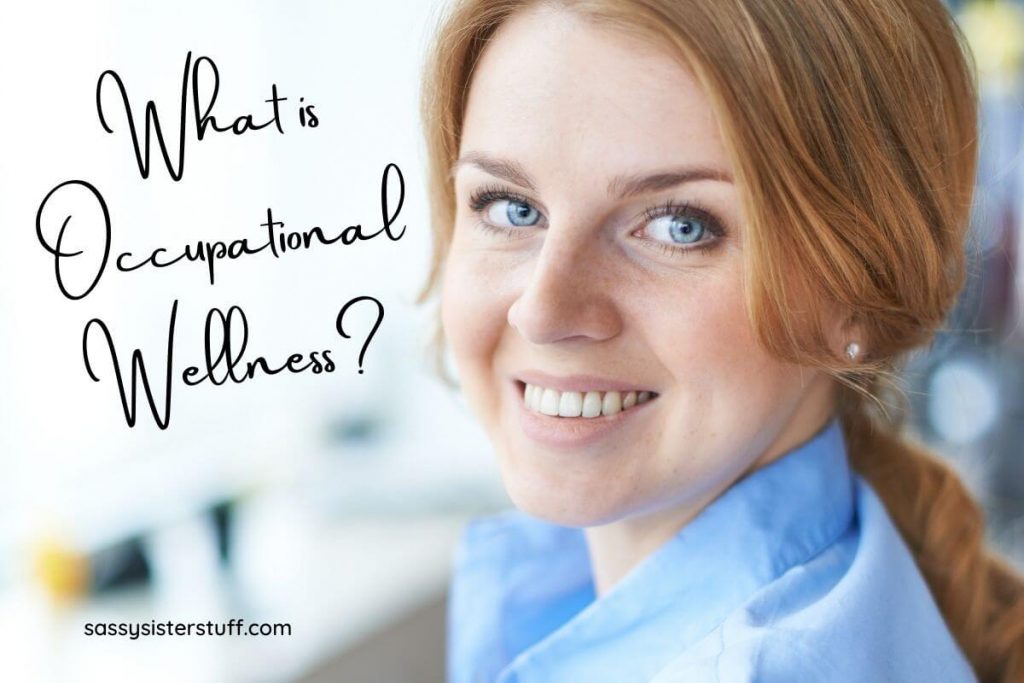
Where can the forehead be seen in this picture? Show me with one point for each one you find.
(556, 90)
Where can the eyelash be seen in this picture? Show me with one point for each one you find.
(487, 195)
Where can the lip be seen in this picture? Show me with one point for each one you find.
(576, 382)
(572, 433)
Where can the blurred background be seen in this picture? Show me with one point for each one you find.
(329, 502)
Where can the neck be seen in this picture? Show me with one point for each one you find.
(617, 548)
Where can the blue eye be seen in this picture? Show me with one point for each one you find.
(512, 212)
(676, 229)
(503, 211)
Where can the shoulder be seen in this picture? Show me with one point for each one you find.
(858, 611)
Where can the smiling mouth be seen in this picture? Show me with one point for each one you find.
(586, 404)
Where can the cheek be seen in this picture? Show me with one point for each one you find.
(722, 388)
(474, 317)
(733, 396)
(708, 345)
(464, 315)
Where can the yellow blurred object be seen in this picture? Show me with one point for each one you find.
(995, 31)
(63, 571)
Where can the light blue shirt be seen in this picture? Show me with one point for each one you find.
(795, 573)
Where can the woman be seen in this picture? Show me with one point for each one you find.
(681, 247)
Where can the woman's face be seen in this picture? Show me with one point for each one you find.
(596, 260)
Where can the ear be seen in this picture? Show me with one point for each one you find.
(846, 337)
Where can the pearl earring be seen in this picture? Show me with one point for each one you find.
(852, 349)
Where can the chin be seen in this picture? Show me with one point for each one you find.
(559, 500)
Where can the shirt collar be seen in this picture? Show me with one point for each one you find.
(523, 606)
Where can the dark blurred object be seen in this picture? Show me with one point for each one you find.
(121, 565)
(359, 429)
(222, 517)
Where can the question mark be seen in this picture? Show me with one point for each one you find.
(339, 325)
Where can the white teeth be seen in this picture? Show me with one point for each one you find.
(588, 404)
(612, 403)
(571, 404)
(592, 404)
(549, 402)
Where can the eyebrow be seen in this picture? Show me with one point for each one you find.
(621, 186)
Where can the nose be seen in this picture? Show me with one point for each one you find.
(568, 294)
